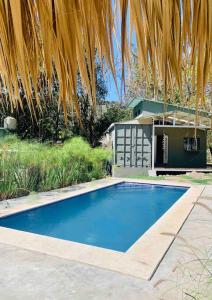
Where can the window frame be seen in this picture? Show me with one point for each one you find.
(191, 144)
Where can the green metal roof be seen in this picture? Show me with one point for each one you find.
(169, 106)
(135, 102)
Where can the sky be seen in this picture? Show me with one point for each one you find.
(112, 91)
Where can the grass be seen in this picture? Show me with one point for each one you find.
(143, 177)
(31, 167)
(206, 178)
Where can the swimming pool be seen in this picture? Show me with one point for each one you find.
(113, 217)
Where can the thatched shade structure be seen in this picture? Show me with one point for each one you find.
(47, 35)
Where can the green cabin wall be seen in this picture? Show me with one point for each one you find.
(124, 146)
(149, 107)
(177, 156)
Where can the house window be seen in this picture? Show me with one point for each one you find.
(191, 144)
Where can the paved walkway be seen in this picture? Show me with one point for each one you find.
(184, 271)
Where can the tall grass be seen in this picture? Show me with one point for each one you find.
(27, 167)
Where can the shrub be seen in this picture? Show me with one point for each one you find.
(30, 166)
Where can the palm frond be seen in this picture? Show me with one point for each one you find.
(46, 35)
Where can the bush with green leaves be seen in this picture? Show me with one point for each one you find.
(31, 166)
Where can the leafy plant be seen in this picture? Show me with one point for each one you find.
(30, 166)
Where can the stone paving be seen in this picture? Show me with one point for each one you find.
(184, 271)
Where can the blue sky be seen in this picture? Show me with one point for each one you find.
(112, 91)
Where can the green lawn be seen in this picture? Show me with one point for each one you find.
(191, 178)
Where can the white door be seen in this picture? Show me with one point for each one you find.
(165, 149)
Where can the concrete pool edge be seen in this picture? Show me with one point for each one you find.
(140, 260)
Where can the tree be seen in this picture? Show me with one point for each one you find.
(115, 113)
(47, 122)
(94, 124)
(138, 85)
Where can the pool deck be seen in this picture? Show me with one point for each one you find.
(30, 274)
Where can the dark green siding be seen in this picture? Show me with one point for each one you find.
(149, 107)
(177, 156)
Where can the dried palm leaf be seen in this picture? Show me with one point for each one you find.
(46, 35)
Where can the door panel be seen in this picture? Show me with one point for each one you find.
(133, 145)
(128, 159)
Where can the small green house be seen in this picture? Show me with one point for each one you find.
(159, 136)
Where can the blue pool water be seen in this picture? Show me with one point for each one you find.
(113, 217)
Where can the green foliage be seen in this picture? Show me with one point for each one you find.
(114, 113)
(140, 84)
(47, 122)
(27, 167)
(95, 124)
